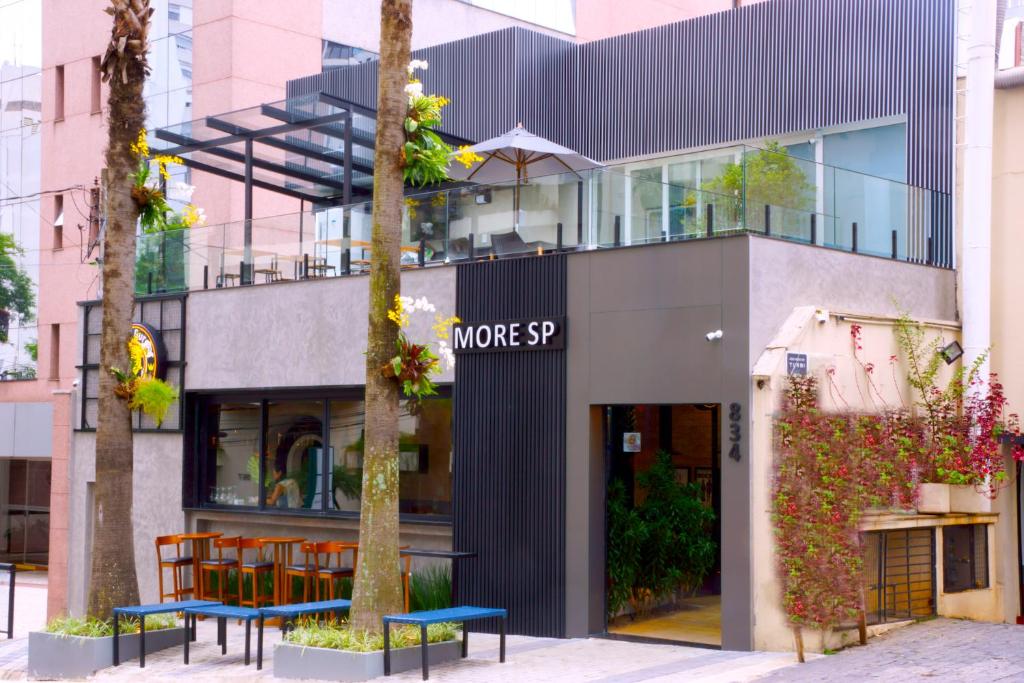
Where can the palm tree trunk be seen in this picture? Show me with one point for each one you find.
(113, 581)
(378, 588)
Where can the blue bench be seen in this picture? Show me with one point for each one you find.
(288, 613)
(222, 613)
(439, 616)
(141, 612)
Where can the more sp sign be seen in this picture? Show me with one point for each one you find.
(525, 334)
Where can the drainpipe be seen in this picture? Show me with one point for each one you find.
(977, 190)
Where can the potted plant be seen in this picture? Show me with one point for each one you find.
(72, 647)
(336, 652)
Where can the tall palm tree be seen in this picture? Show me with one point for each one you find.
(377, 589)
(113, 581)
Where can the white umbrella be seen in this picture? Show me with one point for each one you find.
(516, 154)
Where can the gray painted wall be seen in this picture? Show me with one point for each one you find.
(637, 320)
(636, 324)
(156, 509)
(294, 334)
(26, 430)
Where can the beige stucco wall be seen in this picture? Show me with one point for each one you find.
(828, 345)
(1007, 321)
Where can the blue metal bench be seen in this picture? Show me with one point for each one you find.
(288, 613)
(222, 613)
(439, 616)
(141, 612)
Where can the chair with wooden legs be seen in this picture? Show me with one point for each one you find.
(406, 569)
(220, 567)
(176, 563)
(331, 573)
(256, 569)
(307, 571)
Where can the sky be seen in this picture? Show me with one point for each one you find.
(21, 32)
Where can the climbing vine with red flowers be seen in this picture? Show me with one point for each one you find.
(832, 467)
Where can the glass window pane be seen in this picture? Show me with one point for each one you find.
(231, 461)
(346, 439)
(294, 454)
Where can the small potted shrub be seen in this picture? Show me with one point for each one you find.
(335, 652)
(75, 647)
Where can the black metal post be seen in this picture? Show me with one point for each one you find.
(814, 228)
(579, 212)
(894, 254)
(142, 641)
(248, 630)
(929, 261)
(617, 234)
(206, 276)
(710, 216)
(117, 638)
(423, 252)
(149, 282)
(241, 272)
(346, 262)
(187, 638)
(854, 245)
(248, 201)
(767, 219)
(259, 643)
(305, 266)
(346, 196)
(424, 652)
(387, 649)
(558, 241)
(472, 247)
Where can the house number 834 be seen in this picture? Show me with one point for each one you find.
(735, 413)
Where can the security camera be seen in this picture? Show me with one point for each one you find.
(74, 384)
(712, 336)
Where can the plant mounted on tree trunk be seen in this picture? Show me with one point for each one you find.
(113, 580)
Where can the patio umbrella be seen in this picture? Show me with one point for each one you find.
(516, 154)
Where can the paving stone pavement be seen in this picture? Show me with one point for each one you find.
(947, 650)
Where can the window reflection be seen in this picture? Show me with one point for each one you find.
(294, 454)
(232, 454)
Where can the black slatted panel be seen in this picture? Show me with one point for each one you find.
(509, 462)
(754, 72)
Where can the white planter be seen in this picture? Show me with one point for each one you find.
(933, 499)
(296, 661)
(968, 499)
(51, 656)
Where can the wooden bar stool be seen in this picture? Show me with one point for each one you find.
(176, 564)
(220, 566)
(255, 569)
(331, 573)
(307, 571)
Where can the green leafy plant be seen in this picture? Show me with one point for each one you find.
(769, 176)
(341, 637)
(661, 547)
(17, 300)
(431, 588)
(425, 156)
(153, 397)
(91, 627)
(32, 349)
(414, 365)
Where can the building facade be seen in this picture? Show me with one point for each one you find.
(677, 293)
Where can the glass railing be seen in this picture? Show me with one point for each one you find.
(753, 190)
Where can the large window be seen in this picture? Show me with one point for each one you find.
(964, 557)
(312, 454)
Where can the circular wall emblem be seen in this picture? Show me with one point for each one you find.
(155, 361)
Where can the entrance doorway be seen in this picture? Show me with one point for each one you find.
(24, 511)
(663, 502)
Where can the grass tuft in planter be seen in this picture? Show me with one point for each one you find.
(91, 627)
(341, 637)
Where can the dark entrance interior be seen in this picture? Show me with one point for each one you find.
(663, 530)
(24, 511)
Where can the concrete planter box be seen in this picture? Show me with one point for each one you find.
(933, 499)
(51, 656)
(296, 661)
(968, 499)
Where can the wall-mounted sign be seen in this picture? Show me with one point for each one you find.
(796, 363)
(631, 442)
(155, 362)
(527, 334)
